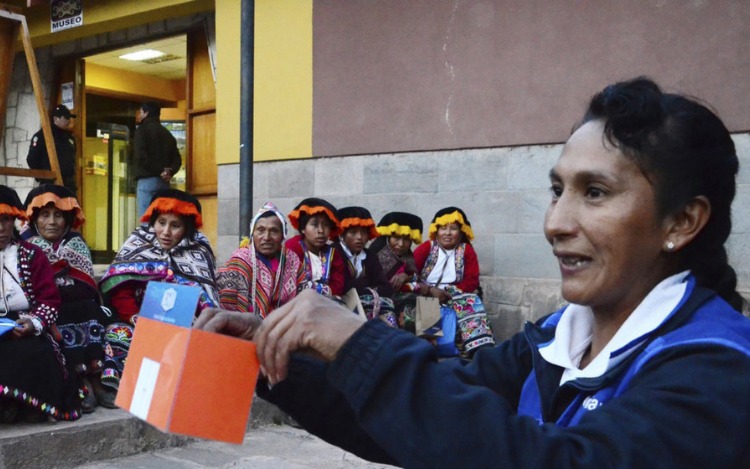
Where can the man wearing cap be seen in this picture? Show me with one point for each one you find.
(65, 145)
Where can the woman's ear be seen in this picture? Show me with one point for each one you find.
(687, 223)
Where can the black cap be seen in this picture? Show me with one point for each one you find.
(62, 110)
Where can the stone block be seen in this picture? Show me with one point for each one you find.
(473, 170)
(490, 212)
(485, 248)
(292, 179)
(60, 49)
(503, 290)
(740, 221)
(229, 216)
(506, 322)
(411, 173)
(225, 246)
(542, 297)
(157, 27)
(738, 250)
(532, 207)
(117, 37)
(742, 145)
(528, 167)
(228, 177)
(89, 43)
(27, 117)
(338, 176)
(524, 256)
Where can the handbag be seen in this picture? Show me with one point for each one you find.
(446, 343)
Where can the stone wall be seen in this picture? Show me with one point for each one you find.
(504, 192)
(22, 117)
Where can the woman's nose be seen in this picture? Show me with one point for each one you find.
(560, 219)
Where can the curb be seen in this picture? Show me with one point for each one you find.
(103, 435)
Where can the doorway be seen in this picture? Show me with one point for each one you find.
(113, 90)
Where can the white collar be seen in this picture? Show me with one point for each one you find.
(573, 332)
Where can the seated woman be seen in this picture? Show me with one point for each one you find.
(449, 271)
(398, 231)
(54, 220)
(34, 382)
(263, 274)
(170, 248)
(317, 222)
(363, 271)
(648, 366)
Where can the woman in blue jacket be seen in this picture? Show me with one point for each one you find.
(648, 366)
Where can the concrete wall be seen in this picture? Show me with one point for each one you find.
(504, 192)
(22, 117)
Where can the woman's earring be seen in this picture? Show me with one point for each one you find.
(669, 246)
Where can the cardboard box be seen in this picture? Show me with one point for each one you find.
(184, 380)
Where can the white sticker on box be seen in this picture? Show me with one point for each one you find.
(144, 388)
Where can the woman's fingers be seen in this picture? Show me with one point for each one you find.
(311, 323)
(234, 323)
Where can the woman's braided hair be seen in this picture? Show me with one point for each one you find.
(685, 150)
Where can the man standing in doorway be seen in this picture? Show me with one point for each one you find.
(65, 146)
(156, 156)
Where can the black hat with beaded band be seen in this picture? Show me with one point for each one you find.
(451, 215)
(177, 202)
(315, 206)
(61, 197)
(10, 203)
(355, 216)
(401, 224)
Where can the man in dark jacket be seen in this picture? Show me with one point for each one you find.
(65, 145)
(156, 156)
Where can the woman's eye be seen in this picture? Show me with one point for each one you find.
(594, 192)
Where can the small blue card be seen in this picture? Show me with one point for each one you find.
(7, 325)
(170, 303)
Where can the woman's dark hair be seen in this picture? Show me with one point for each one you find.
(685, 151)
(189, 222)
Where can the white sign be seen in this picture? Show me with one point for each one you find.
(65, 14)
(66, 91)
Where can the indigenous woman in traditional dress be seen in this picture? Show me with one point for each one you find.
(398, 231)
(363, 271)
(318, 224)
(449, 271)
(169, 248)
(34, 382)
(262, 274)
(54, 220)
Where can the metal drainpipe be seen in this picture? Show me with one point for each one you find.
(247, 52)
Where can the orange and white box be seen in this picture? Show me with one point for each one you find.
(185, 380)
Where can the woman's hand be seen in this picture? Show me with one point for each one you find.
(398, 280)
(26, 328)
(234, 323)
(442, 295)
(310, 323)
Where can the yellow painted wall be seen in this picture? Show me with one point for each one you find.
(109, 15)
(127, 82)
(283, 80)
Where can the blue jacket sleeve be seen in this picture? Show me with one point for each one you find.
(687, 407)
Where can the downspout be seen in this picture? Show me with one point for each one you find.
(247, 52)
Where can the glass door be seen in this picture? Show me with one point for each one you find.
(108, 194)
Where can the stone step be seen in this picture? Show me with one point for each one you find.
(99, 436)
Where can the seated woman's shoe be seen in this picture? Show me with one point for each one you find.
(9, 411)
(106, 398)
(89, 403)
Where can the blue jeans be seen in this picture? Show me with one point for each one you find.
(145, 190)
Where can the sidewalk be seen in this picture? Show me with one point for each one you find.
(101, 436)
